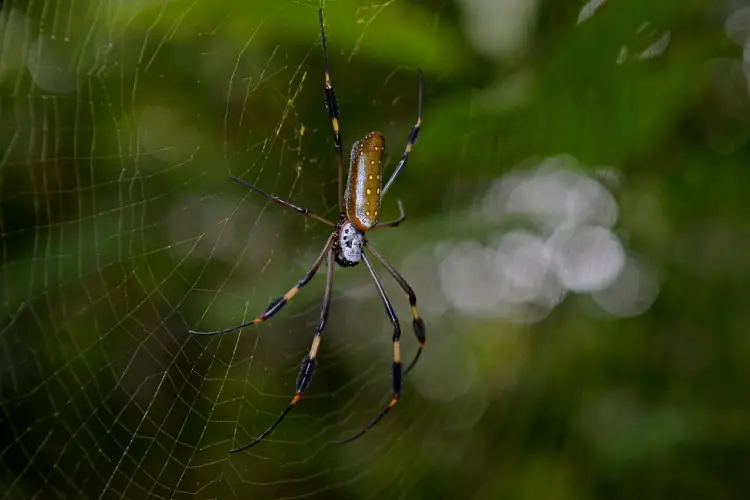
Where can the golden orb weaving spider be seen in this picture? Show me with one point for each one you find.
(359, 207)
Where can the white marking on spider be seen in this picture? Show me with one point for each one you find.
(351, 241)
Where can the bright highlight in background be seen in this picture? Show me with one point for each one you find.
(562, 239)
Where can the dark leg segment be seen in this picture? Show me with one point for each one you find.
(418, 324)
(394, 223)
(309, 362)
(396, 368)
(332, 107)
(276, 305)
(411, 141)
(278, 200)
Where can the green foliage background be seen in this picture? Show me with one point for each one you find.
(104, 394)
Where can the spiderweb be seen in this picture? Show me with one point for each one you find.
(121, 231)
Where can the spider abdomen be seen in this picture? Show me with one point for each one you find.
(362, 197)
(348, 245)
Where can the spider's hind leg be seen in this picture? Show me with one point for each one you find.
(411, 140)
(332, 107)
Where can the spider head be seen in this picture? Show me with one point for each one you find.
(348, 243)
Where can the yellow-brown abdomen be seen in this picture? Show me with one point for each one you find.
(362, 197)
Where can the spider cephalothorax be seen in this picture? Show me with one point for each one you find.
(348, 243)
(359, 211)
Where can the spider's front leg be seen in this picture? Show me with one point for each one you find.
(275, 305)
(418, 323)
(397, 372)
(309, 362)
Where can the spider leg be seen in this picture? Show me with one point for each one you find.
(411, 141)
(278, 200)
(393, 223)
(309, 362)
(332, 107)
(396, 370)
(276, 305)
(419, 329)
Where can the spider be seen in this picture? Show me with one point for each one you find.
(347, 246)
